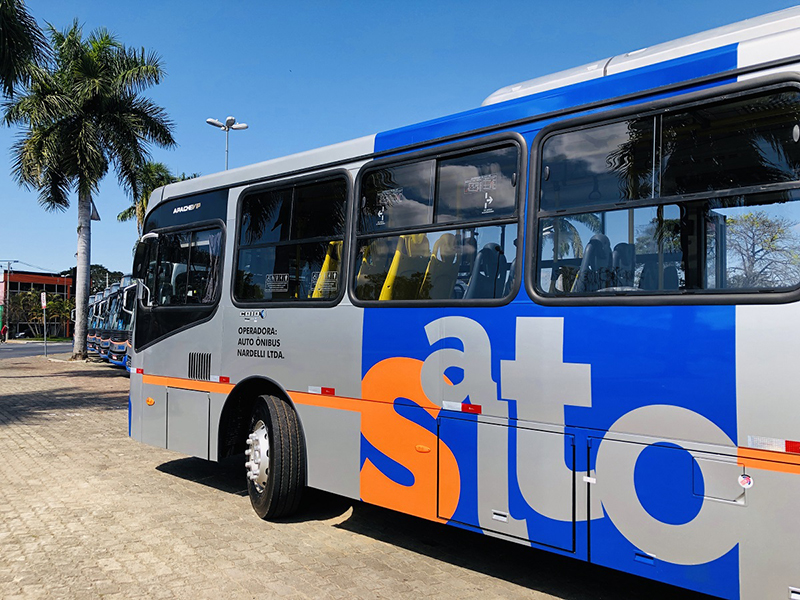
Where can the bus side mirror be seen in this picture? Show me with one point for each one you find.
(145, 254)
(144, 249)
(125, 295)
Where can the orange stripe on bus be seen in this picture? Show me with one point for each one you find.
(769, 460)
(188, 384)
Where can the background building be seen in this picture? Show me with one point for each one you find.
(16, 282)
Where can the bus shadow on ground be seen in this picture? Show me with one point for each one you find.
(222, 475)
(228, 476)
(560, 576)
(534, 569)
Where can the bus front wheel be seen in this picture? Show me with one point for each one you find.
(275, 458)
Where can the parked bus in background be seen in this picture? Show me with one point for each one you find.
(120, 328)
(569, 318)
(88, 318)
(111, 301)
(95, 313)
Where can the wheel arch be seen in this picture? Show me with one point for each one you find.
(234, 420)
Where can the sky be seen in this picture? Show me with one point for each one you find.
(304, 74)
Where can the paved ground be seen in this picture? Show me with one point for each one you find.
(20, 349)
(86, 512)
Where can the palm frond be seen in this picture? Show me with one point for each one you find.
(22, 45)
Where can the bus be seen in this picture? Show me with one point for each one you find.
(90, 315)
(567, 318)
(120, 334)
(110, 310)
(98, 305)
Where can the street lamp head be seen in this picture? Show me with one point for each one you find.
(230, 123)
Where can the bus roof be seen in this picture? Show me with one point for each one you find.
(735, 33)
(334, 153)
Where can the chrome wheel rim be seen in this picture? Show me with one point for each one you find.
(257, 452)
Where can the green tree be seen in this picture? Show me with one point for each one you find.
(763, 251)
(149, 176)
(25, 308)
(22, 44)
(84, 113)
(99, 275)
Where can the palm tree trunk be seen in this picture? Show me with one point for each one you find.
(82, 275)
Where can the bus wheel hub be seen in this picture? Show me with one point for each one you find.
(258, 456)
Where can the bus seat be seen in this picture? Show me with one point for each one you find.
(624, 263)
(333, 258)
(165, 294)
(670, 277)
(488, 274)
(375, 267)
(512, 274)
(649, 279)
(595, 271)
(408, 268)
(442, 271)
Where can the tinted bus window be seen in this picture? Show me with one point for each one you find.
(394, 197)
(731, 145)
(603, 164)
(478, 186)
(265, 217)
(291, 243)
(188, 267)
(469, 257)
(745, 241)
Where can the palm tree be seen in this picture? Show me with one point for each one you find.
(82, 114)
(21, 44)
(149, 176)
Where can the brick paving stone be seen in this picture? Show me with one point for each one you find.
(87, 512)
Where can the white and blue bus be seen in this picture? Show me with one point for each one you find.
(568, 318)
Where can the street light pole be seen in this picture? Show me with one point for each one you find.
(230, 123)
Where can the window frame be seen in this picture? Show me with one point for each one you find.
(474, 145)
(722, 93)
(321, 177)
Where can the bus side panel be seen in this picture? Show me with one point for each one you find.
(770, 531)
(669, 514)
(152, 406)
(333, 448)
(135, 404)
(303, 350)
(187, 421)
(768, 347)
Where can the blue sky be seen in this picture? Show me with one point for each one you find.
(305, 74)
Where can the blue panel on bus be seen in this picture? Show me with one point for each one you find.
(719, 577)
(701, 64)
(592, 369)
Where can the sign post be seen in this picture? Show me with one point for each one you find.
(44, 318)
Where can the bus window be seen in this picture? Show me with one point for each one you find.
(290, 243)
(396, 197)
(713, 241)
(731, 145)
(471, 255)
(187, 270)
(476, 186)
(603, 164)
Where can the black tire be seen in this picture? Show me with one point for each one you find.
(286, 478)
